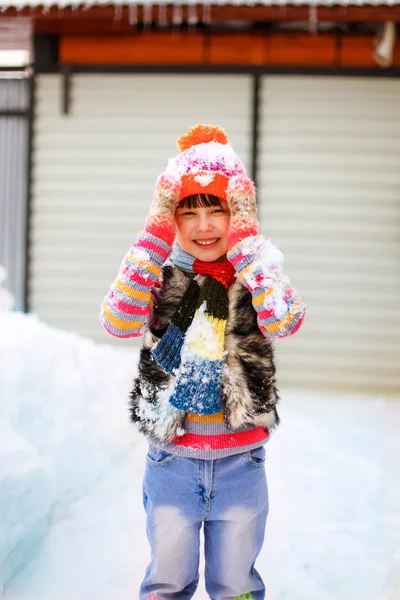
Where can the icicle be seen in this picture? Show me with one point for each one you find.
(117, 12)
(133, 15)
(313, 19)
(192, 15)
(206, 18)
(147, 14)
(162, 15)
(177, 15)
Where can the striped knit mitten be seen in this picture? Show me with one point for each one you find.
(259, 265)
(128, 305)
(241, 198)
(160, 221)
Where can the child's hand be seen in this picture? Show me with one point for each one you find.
(160, 221)
(166, 195)
(241, 198)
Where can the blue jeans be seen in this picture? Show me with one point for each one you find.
(230, 496)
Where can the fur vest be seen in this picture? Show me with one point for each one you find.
(248, 391)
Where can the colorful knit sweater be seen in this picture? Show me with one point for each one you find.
(128, 308)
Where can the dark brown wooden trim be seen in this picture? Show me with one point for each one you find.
(160, 69)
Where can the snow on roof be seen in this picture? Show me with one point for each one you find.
(46, 4)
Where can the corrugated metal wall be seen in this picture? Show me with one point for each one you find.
(329, 193)
(14, 107)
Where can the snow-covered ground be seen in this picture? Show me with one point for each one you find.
(72, 525)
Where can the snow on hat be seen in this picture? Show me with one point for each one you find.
(207, 164)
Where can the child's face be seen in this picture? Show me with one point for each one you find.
(203, 231)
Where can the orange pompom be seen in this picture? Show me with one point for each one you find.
(202, 134)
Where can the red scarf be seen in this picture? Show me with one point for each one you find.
(222, 270)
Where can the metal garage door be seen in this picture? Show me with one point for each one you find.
(329, 194)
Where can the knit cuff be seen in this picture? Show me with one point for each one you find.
(240, 230)
(161, 227)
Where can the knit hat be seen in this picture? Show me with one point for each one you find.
(207, 164)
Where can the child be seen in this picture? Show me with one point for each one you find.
(208, 307)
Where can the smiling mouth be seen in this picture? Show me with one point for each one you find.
(209, 242)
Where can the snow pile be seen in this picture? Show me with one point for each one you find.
(63, 421)
(26, 496)
(6, 299)
(71, 465)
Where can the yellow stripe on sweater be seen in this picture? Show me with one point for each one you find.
(216, 418)
(119, 323)
(149, 267)
(131, 293)
(286, 321)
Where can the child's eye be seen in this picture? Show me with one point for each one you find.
(218, 210)
(187, 213)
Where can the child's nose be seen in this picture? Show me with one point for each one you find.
(204, 224)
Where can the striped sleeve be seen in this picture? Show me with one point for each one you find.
(127, 308)
(259, 265)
